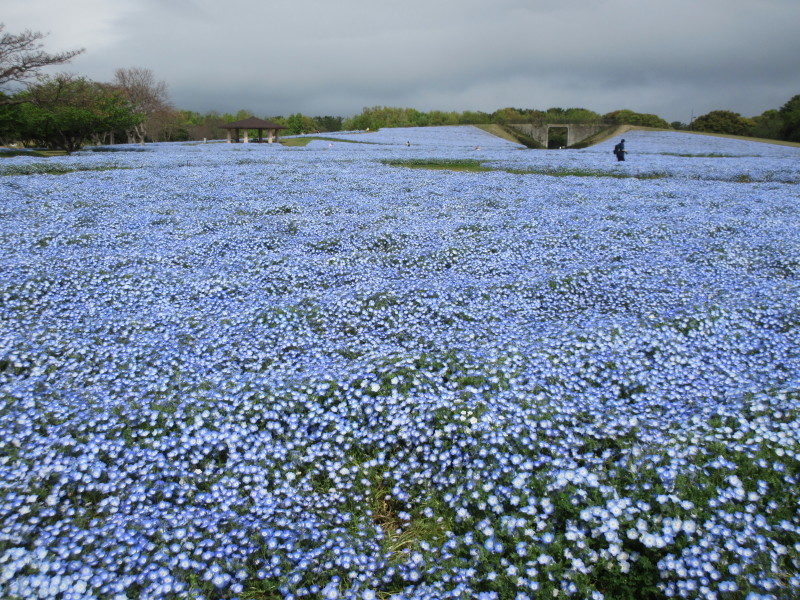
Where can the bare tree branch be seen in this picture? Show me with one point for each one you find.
(147, 96)
(21, 56)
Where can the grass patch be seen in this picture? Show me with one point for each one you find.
(48, 169)
(470, 165)
(298, 142)
(9, 152)
(567, 172)
(704, 155)
(475, 166)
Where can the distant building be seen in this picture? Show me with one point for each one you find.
(253, 123)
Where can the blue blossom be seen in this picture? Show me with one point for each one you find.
(310, 370)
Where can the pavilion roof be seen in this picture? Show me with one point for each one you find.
(252, 123)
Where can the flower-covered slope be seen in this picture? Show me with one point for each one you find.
(264, 372)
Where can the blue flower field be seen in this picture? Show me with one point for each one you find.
(268, 372)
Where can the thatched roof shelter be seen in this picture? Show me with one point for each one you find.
(253, 123)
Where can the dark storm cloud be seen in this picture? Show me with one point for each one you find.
(322, 57)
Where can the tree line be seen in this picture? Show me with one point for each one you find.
(774, 124)
(66, 111)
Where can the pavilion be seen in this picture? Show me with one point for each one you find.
(253, 123)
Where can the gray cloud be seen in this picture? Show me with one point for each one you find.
(321, 57)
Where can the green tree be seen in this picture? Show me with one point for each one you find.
(391, 116)
(166, 125)
(650, 120)
(723, 121)
(417, 118)
(508, 115)
(329, 123)
(9, 120)
(295, 123)
(790, 115)
(439, 117)
(299, 123)
(194, 126)
(474, 118)
(63, 112)
(581, 115)
(768, 125)
(368, 119)
(629, 117)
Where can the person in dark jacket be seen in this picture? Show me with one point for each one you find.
(619, 150)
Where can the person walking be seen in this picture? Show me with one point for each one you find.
(619, 150)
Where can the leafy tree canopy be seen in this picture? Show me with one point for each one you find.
(299, 123)
(581, 115)
(790, 115)
(328, 123)
(629, 117)
(63, 111)
(508, 115)
(723, 121)
(767, 125)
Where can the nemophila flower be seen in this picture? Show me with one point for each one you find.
(330, 591)
(204, 377)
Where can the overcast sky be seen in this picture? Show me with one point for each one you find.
(674, 58)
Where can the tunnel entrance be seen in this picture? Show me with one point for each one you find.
(557, 137)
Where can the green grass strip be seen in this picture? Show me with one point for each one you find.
(439, 164)
(8, 153)
(48, 169)
(472, 165)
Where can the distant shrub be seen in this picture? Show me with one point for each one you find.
(723, 121)
(629, 117)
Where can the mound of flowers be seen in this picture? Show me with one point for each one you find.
(254, 371)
